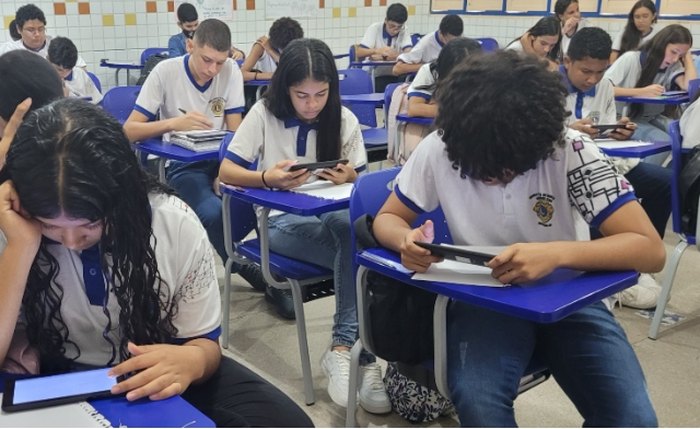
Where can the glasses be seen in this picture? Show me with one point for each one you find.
(394, 26)
(40, 30)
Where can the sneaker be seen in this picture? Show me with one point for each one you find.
(643, 295)
(373, 397)
(336, 366)
(252, 274)
(282, 300)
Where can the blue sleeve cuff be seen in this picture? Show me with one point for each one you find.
(237, 159)
(407, 46)
(213, 335)
(610, 209)
(361, 168)
(422, 95)
(407, 202)
(235, 110)
(146, 113)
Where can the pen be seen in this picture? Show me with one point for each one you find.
(184, 112)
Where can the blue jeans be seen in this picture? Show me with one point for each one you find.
(652, 184)
(587, 353)
(324, 241)
(652, 129)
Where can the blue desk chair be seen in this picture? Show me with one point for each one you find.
(95, 80)
(488, 44)
(358, 81)
(369, 194)
(685, 237)
(376, 139)
(151, 51)
(240, 220)
(693, 88)
(352, 55)
(119, 101)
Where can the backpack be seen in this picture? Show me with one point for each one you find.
(689, 188)
(402, 139)
(149, 65)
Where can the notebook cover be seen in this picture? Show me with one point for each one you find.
(171, 412)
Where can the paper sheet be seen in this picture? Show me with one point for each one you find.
(617, 144)
(325, 189)
(459, 273)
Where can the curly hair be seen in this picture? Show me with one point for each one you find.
(500, 114)
(71, 158)
(631, 36)
(283, 31)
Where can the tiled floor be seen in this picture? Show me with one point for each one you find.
(672, 363)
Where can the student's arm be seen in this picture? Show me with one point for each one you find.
(690, 71)
(233, 121)
(20, 238)
(653, 90)
(236, 54)
(8, 133)
(249, 64)
(137, 127)
(276, 177)
(402, 68)
(419, 106)
(382, 53)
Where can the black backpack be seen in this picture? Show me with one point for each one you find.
(689, 189)
(149, 65)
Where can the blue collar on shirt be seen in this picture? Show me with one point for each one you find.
(437, 39)
(94, 279)
(304, 128)
(70, 76)
(571, 88)
(387, 36)
(186, 61)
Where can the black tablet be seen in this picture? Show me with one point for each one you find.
(455, 253)
(44, 391)
(316, 165)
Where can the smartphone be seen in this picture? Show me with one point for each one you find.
(48, 390)
(317, 165)
(457, 254)
(601, 128)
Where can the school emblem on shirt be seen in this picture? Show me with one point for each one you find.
(543, 208)
(217, 106)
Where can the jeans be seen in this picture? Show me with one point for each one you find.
(652, 184)
(587, 353)
(324, 241)
(652, 129)
(234, 396)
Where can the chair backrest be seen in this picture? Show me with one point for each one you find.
(119, 101)
(358, 81)
(693, 87)
(243, 219)
(674, 131)
(151, 51)
(352, 55)
(488, 44)
(388, 93)
(415, 37)
(95, 80)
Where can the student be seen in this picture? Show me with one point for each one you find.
(208, 86)
(78, 204)
(12, 28)
(567, 11)
(663, 63)
(429, 46)
(590, 96)
(188, 21)
(63, 55)
(540, 40)
(502, 149)
(690, 124)
(639, 29)
(22, 91)
(300, 110)
(31, 25)
(263, 57)
(384, 41)
(420, 92)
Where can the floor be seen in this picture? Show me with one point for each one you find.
(268, 344)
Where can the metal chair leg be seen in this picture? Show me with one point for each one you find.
(669, 276)
(303, 343)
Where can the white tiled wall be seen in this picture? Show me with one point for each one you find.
(125, 42)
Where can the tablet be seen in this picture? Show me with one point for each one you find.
(457, 254)
(44, 391)
(318, 165)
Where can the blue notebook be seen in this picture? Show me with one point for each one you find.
(171, 412)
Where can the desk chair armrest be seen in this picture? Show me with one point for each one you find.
(264, 235)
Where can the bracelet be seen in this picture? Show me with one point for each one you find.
(264, 182)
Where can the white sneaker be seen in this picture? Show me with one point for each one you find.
(643, 295)
(373, 397)
(336, 366)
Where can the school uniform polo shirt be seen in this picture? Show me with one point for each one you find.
(690, 125)
(43, 52)
(264, 137)
(515, 45)
(171, 86)
(376, 36)
(617, 42)
(426, 50)
(185, 263)
(423, 78)
(557, 200)
(266, 63)
(81, 85)
(625, 73)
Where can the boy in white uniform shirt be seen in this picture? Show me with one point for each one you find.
(428, 47)
(199, 91)
(384, 41)
(591, 99)
(63, 55)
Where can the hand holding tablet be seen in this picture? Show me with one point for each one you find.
(457, 254)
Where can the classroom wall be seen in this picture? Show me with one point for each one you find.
(120, 30)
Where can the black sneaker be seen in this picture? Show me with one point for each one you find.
(282, 300)
(252, 274)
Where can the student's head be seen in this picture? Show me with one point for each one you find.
(31, 25)
(668, 46)
(283, 31)
(500, 114)
(75, 173)
(452, 54)
(565, 9)
(544, 35)
(451, 26)
(305, 86)
(42, 85)
(209, 48)
(14, 33)
(642, 16)
(396, 16)
(63, 55)
(588, 57)
(187, 19)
